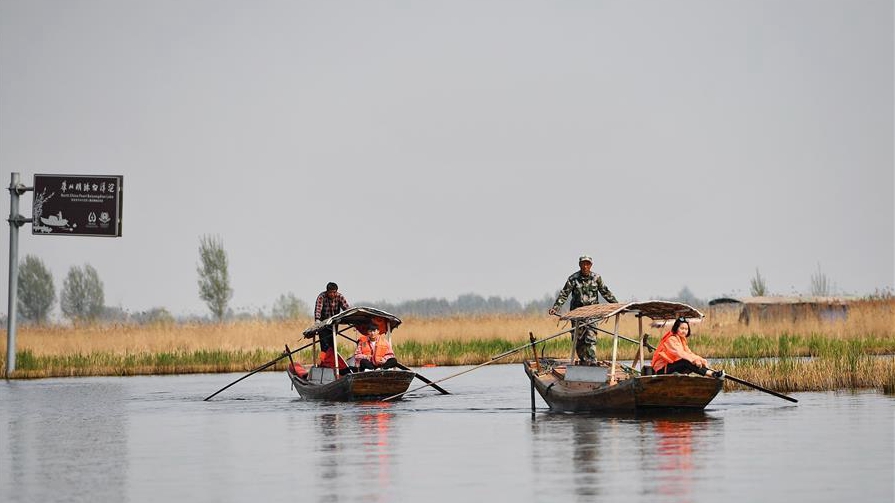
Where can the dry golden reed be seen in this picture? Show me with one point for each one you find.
(462, 340)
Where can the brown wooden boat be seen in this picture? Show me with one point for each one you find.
(321, 384)
(324, 383)
(611, 385)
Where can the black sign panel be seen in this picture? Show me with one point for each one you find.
(77, 205)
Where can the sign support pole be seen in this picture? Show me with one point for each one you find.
(15, 221)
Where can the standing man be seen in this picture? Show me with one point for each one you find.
(584, 286)
(329, 303)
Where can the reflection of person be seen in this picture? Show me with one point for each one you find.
(585, 288)
(673, 356)
(673, 450)
(374, 351)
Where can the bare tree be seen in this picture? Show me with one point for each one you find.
(214, 278)
(820, 284)
(758, 287)
(82, 297)
(36, 293)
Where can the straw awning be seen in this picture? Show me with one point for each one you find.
(653, 309)
(355, 316)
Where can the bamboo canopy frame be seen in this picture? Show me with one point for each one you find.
(652, 309)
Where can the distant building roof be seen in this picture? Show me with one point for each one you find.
(776, 300)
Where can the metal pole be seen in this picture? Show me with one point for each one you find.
(15, 221)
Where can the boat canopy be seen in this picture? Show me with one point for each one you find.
(357, 317)
(653, 309)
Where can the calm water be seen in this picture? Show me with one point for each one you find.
(154, 439)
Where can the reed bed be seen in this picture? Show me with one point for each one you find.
(844, 354)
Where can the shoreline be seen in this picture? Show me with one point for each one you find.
(843, 370)
(845, 354)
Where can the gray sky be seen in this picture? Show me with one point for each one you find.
(418, 149)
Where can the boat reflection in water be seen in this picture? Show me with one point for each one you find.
(356, 447)
(656, 454)
(674, 453)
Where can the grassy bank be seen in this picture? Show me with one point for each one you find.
(845, 352)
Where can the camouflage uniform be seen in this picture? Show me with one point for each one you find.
(584, 290)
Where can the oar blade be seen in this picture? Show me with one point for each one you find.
(427, 381)
(757, 387)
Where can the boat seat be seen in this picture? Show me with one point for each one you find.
(322, 375)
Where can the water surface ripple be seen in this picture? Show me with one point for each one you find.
(142, 439)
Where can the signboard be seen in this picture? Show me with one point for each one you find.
(77, 205)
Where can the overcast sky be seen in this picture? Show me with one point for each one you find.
(431, 149)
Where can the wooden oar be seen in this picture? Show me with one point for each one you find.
(430, 383)
(258, 369)
(755, 386)
(489, 362)
(645, 344)
(648, 345)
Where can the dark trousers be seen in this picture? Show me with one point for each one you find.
(682, 367)
(326, 340)
(368, 365)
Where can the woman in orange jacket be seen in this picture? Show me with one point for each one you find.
(374, 351)
(673, 356)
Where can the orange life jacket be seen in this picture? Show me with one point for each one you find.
(672, 348)
(378, 356)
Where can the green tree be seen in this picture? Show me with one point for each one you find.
(214, 278)
(289, 307)
(758, 287)
(82, 297)
(36, 293)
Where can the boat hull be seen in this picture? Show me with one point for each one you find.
(655, 392)
(360, 386)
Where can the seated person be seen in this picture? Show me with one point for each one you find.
(374, 351)
(674, 356)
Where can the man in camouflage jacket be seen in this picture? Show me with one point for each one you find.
(585, 287)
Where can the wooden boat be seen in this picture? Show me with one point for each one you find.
(567, 386)
(324, 383)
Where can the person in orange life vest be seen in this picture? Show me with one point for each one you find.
(374, 351)
(327, 356)
(673, 356)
